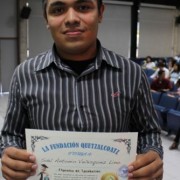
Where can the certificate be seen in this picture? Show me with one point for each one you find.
(63, 155)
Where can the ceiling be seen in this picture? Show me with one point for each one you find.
(159, 2)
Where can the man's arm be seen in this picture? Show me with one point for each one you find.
(14, 124)
(144, 120)
(16, 162)
(148, 164)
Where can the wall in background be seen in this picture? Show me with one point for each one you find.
(156, 34)
(39, 36)
(8, 42)
(115, 29)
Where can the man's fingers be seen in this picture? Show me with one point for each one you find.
(147, 166)
(17, 164)
(18, 154)
(148, 172)
(9, 174)
(143, 160)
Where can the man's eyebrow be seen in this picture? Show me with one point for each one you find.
(81, 1)
(56, 3)
(60, 3)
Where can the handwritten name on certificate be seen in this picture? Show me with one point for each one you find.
(81, 155)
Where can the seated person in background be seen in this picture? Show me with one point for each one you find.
(162, 60)
(161, 83)
(175, 141)
(175, 73)
(149, 64)
(171, 62)
(177, 58)
(160, 67)
(176, 90)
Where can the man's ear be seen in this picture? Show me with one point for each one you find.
(101, 12)
(47, 26)
(45, 15)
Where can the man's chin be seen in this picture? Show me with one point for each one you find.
(75, 47)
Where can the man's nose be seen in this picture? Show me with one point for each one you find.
(72, 17)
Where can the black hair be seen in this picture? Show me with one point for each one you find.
(160, 72)
(178, 67)
(178, 82)
(160, 64)
(149, 57)
(99, 4)
(44, 3)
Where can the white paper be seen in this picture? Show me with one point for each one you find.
(81, 155)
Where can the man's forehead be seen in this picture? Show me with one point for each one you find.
(67, 1)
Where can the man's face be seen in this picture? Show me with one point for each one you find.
(162, 76)
(74, 24)
(148, 60)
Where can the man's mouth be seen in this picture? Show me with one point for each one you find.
(73, 32)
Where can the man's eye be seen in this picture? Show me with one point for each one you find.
(57, 11)
(84, 8)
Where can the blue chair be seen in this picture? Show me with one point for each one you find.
(149, 72)
(173, 119)
(178, 106)
(156, 96)
(150, 80)
(174, 87)
(166, 103)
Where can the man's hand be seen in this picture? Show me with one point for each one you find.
(17, 164)
(148, 166)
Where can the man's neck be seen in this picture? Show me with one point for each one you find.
(78, 56)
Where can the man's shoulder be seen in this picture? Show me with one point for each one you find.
(39, 57)
(167, 80)
(118, 59)
(33, 63)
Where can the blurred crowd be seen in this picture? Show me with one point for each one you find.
(164, 76)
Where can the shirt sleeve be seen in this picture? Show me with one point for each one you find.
(170, 85)
(144, 120)
(14, 124)
(166, 73)
(154, 75)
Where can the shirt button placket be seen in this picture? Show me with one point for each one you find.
(79, 102)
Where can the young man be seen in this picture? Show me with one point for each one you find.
(161, 66)
(79, 86)
(161, 83)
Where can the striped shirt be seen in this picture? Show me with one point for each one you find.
(111, 95)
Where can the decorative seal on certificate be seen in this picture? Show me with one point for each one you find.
(123, 171)
(109, 176)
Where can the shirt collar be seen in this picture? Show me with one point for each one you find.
(103, 55)
(107, 56)
(45, 59)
